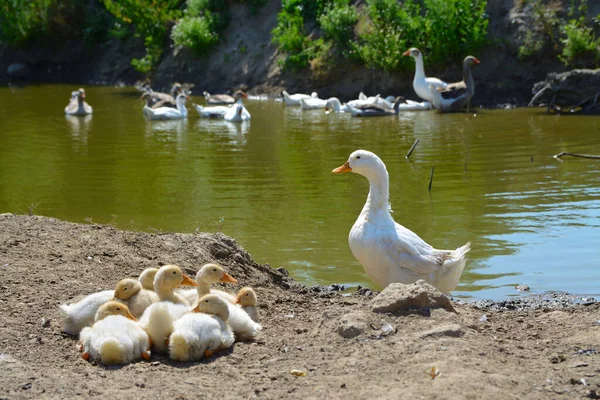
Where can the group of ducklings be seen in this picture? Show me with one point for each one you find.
(151, 314)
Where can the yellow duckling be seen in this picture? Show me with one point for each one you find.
(146, 278)
(246, 298)
(206, 276)
(115, 337)
(199, 333)
(130, 292)
(157, 320)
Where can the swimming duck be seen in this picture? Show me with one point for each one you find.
(81, 314)
(237, 113)
(375, 110)
(130, 292)
(146, 278)
(294, 99)
(203, 331)
(312, 103)
(207, 275)
(222, 98)
(115, 337)
(164, 113)
(158, 99)
(246, 298)
(77, 105)
(456, 95)
(218, 112)
(388, 251)
(421, 82)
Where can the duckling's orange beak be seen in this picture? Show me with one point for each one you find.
(131, 317)
(228, 278)
(187, 281)
(238, 300)
(343, 168)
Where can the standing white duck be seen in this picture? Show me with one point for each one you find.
(163, 113)
(115, 337)
(456, 95)
(294, 99)
(388, 251)
(81, 314)
(246, 298)
(207, 275)
(421, 82)
(77, 105)
(130, 292)
(199, 333)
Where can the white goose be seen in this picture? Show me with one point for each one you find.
(294, 99)
(388, 251)
(163, 113)
(313, 103)
(421, 82)
(77, 105)
(219, 112)
(237, 113)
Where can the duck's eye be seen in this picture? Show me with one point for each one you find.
(118, 309)
(124, 288)
(206, 301)
(174, 272)
(247, 294)
(358, 157)
(215, 270)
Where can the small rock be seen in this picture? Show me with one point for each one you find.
(155, 363)
(444, 330)
(283, 271)
(397, 297)
(483, 318)
(557, 358)
(17, 70)
(387, 329)
(343, 386)
(45, 323)
(26, 386)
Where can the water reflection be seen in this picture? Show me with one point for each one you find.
(80, 127)
(234, 132)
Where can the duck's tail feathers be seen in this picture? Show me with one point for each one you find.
(160, 326)
(112, 352)
(179, 348)
(453, 268)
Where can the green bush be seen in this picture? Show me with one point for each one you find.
(578, 41)
(195, 33)
(22, 19)
(338, 23)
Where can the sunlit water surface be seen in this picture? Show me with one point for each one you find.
(532, 219)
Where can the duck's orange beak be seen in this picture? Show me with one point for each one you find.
(131, 317)
(343, 168)
(406, 53)
(238, 300)
(187, 281)
(228, 278)
(476, 61)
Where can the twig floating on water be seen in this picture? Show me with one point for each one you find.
(431, 177)
(412, 148)
(564, 153)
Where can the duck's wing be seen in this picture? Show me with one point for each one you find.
(454, 90)
(405, 248)
(436, 83)
(372, 107)
(72, 107)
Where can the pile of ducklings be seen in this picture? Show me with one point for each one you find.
(152, 315)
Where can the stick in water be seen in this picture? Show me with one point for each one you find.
(431, 177)
(564, 153)
(412, 148)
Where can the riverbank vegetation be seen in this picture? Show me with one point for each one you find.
(309, 33)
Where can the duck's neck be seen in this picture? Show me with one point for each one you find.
(468, 79)
(379, 191)
(81, 106)
(419, 68)
(181, 108)
(203, 288)
(165, 293)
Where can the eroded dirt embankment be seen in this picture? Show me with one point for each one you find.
(344, 348)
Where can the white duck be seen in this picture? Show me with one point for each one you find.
(115, 337)
(456, 95)
(218, 112)
(146, 278)
(167, 279)
(237, 113)
(375, 109)
(207, 275)
(313, 103)
(388, 251)
(131, 293)
(246, 298)
(200, 333)
(421, 82)
(294, 99)
(163, 113)
(82, 313)
(77, 104)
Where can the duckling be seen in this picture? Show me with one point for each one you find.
(115, 337)
(246, 298)
(158, 318)
(146, 278)
(130, 292)
(81, 314)
(199, 333)
(167, 279)
(206, 276)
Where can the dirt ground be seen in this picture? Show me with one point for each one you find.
(544, 353)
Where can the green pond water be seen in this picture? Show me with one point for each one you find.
(532, 219)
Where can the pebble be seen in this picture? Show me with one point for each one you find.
(155, 363)
(45, 323)
(523, 288)
(483, 318)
